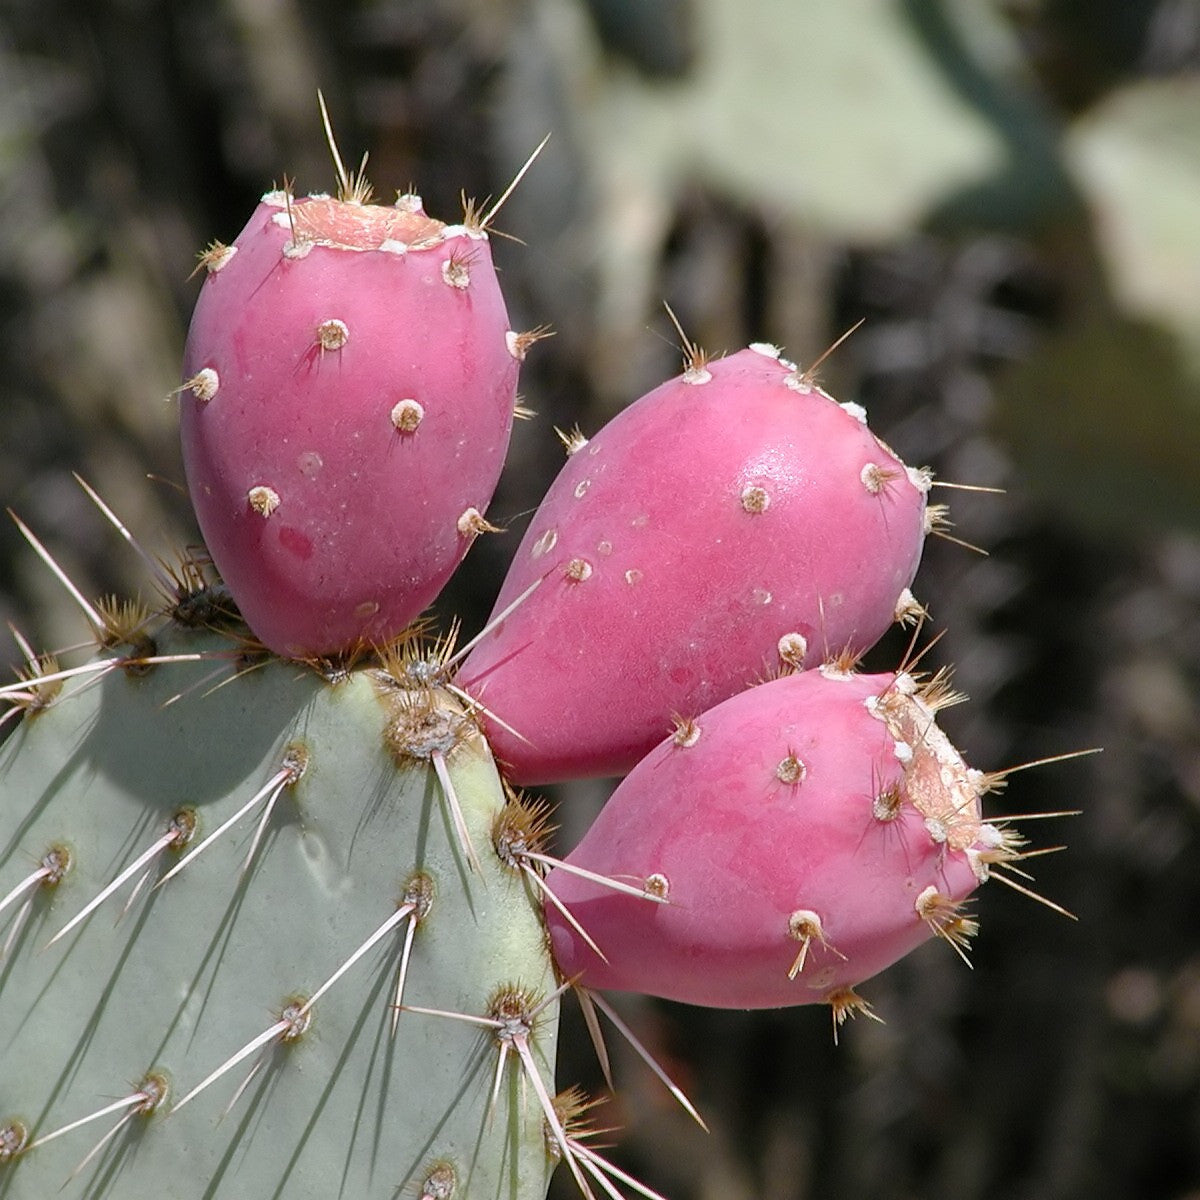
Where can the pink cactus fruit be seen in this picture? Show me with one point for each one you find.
(350, 385)
(731, 520)
(806, 834)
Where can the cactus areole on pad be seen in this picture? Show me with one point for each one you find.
(350, 379)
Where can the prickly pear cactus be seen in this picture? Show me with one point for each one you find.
(294, 857)
(273, 925)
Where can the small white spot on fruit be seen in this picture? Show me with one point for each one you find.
(990, 836)
(203, 385)
(409, 202)
(473, 522)
(791, 770)
(573, 440)
(839, 667)
(545, 543)
(856, 411)
(886, 805)
(406, 415)
(937, 518)
(929, 902)
(908, 609)
(632, 576)
(977, 864)
(903, 752)
(393, 246)
(793, 649)
(604, 548)
(696, 376)
(577, 570)
(874, 477)
(762, 596)
(804, 924)
(518, 343)
(798, 381)
(765, 349)
(456, 272)
(332, 334)
(277, 198)
(297, 249)
(657, 884)
(216, 256)
(755, 499)
(366, 610)
(687, 732)
(264, 500)
(581, 488)
(920, 477)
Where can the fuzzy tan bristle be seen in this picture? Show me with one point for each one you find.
(846, 1003)
(522, 826)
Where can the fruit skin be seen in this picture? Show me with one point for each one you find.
(728, 508)
(820, 793)
(349, 394)
(202, 964)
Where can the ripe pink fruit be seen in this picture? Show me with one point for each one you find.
(351, 379)
(807, 833)
(731, 518)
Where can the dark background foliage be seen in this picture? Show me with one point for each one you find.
(1031, 323)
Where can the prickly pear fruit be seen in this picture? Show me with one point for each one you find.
(350, 385)
(283, 940)
(732, 517)
(806, 833)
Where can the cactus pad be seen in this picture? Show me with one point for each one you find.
(346, 839)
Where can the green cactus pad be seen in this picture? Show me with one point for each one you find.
(124, 1006)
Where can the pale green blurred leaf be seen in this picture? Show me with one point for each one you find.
(1105, 417)
(858, 117)
(1137, 160)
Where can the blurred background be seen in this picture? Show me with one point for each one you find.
(1008, 191)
